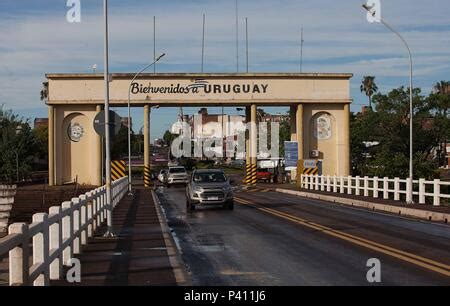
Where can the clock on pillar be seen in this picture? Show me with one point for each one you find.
(75, 131)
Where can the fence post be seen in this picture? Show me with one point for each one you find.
(90, 209)
(349, 185)
(311, 182)
(322, 182)
(409, 186)
(421, 191)
(83, 218)
(357, 185)
(385, 188)
(19, 256)
(396, 188)
(342, 187)
(67, 229)
(375, 186)
(40, 249)
(366, 186)
(316, 177)
(335, 187)
(436, 192)
(76, 226)
(328, 183)
(55, 243)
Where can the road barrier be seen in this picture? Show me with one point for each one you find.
(147, 177)
(435, 192)
(117, 169)
(56, 236)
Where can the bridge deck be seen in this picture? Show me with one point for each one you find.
(137, 256)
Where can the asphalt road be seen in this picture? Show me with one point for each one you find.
(277, 239)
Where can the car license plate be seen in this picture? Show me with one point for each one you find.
(213, 198)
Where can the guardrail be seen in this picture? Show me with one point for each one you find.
(55, 237)
(398, 189)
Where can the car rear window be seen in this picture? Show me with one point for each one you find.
(213, 177)
(177, 170)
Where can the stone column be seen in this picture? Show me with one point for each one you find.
(51, 145)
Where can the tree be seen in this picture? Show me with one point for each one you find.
(285, 131)
(119, 143)
(169, 137)
(389, 127)
(369, 87)
(17, 143)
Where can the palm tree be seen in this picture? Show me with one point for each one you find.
(442, 87)
(369, 87)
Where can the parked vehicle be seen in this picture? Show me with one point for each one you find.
(264, 175)
(176, 175)
(209, 187)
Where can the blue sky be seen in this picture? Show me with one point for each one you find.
(36, 39)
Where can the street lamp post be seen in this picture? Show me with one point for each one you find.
(129, 118)
(410, 191)
(18, 131)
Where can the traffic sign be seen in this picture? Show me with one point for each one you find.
(309, 163)
(114, 123)
(290, 154)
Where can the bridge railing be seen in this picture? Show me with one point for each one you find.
(434, 192)
(54, 237)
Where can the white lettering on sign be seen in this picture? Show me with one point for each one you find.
(199, 86)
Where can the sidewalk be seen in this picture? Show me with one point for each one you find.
(141, 254)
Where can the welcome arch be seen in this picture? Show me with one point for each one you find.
(306, 94)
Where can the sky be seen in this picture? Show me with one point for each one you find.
(36, 39)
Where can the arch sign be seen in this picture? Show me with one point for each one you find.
(319, 105)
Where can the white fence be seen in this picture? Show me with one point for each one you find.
(55, 237)
(435, 192)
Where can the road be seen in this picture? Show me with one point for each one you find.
(277, 239)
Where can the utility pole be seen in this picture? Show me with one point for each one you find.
(203, 43)
(301, 51)
(109, 208)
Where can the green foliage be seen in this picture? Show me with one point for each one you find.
(169, 137)
(369, 87)
(119, 144)
(285, 132)
(17, 142)
(389, 126)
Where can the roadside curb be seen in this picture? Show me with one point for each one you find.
(177, 263)
(397, 210)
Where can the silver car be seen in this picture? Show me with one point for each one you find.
(209, 187)
(176, 175)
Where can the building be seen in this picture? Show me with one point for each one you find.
(40, 122)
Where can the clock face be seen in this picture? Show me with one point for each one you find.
(75, 131)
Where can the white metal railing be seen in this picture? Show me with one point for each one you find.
(56, 236)
(376, 187)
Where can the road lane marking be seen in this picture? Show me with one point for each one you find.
(399, 254)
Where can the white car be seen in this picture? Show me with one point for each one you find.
(176, 175)
(162, 175)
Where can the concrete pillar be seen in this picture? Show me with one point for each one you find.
(345, 160)
(253, 141)
(99, 149)
(247, 135)
(51, 145)
(147, 156)
(292, 116)
(300, 139)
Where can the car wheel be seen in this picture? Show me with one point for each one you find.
(191, 207)
(230, 205)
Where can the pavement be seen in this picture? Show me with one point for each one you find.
(278, 239)
(139, 255)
